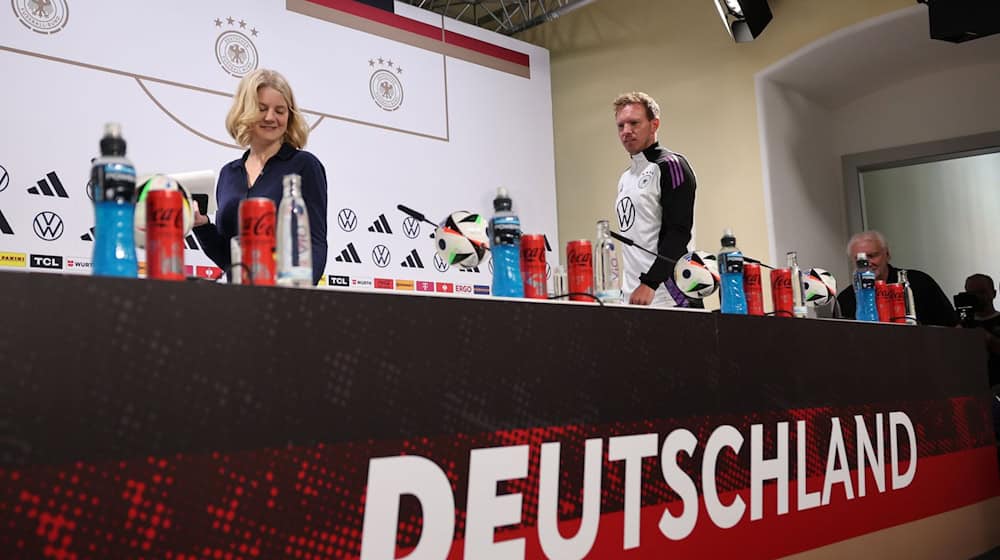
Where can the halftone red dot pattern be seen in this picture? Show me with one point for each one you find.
(308, 503)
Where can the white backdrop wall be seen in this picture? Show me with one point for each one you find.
(828, 100)
(462, 130)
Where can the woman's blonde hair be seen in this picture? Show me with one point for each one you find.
(245, 112)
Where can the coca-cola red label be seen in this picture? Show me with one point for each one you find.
(165, 218)
(258, 226)
(533, 255)
(580, 259)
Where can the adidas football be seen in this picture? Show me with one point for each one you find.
(697, 274)
(818, 287)
(461, 239)
(154, 183)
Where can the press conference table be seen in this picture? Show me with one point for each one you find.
(196, 420)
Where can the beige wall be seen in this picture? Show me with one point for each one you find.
(677, 51)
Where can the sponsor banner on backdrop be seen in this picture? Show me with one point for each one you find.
(209, 272)
(405, 285)
(364, 283)
(51, 262)
(424, 286)
(481, 290)
(384, 283)
(337, 280)
(79, 265)
(444, 287)
(13, 260)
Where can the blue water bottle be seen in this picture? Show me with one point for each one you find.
(864, 290)
(113, 178)
(505, 233)
(734, 300)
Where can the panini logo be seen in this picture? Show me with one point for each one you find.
(52, 262)
(381, 225)
(50, 186)
(335, 280)
(425, 286)
(406, 285)
(481, 290)
(13, 260)
(384, 283)
(445, 287)
(349, 255)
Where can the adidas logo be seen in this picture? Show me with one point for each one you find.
(473, 269)
(50, 186)
(5, 226)
(89, 236)
(191, 242)
(381, 225)
(412, 260)
(349, 255)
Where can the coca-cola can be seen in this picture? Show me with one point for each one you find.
(257, 217)
(533, 266)
(753, 289)
(897, 297)
(781, 291)
(580, 260)
(883, 302)
(165, 234)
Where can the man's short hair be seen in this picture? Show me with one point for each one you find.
(870, 235)
(981, 276)
(640, 98)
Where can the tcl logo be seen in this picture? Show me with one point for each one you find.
(47, 261)
(335, 280)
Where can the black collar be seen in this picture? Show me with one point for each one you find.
(285, 153)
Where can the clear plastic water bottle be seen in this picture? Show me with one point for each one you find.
(798, 301)
(911, 307)
(505, 234)
(864, 290)
(294, 242)
(734, 299)
(607, 277)
(113, 178)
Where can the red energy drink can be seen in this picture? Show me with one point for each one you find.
(883, 302)
(897, 295)
(257, 216)
(781, 291)
(580, 260)
(165, 234)
(753, 289)
(533, 266)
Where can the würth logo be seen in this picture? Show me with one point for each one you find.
(5, 226)
(381, 225)
(47, 261)
(348, 255)
(347, 219)
(411, 227)
(48, 226)
(381, 256)
(412, 260)
(50, 186)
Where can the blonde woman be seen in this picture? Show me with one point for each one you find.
(265, 119)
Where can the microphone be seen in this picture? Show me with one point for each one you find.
(631, 243)
(414, 214)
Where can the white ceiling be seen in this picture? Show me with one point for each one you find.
(869, 56)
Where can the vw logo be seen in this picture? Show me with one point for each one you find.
(440, 264)
(381, 256)
(48, 226)
(4, 178)
(626, 214)
(411, 227)
(347, 219)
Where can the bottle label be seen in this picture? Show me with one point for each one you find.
(506, 230)
(867, 283)
(732, 263)
(113, 182)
